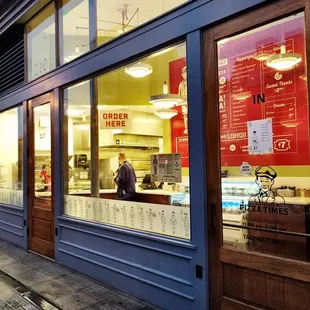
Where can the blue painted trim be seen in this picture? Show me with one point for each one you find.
(12, 225)
(11, 231)
(125, 262)
(128, 231)
(127, 274)
(125, 241)
(197, 171)
(12, 208)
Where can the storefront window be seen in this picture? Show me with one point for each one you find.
(116, 17)
(264, 123)
(11, 160)
(142, 144)
(74, 29)
(41, 43)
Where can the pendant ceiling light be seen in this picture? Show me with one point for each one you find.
(261, 56)
(139, 70)
(166, 113)
(165, 100)
(283, 61)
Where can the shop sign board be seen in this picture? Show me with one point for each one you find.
(166, 168)
(249, 91)
(179, 123)
(115, 119)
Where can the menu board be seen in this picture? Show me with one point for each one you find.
(179, 130)
(166, 168)
(250, 91)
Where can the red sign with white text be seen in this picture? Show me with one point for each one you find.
(249, 90)
(179, 130)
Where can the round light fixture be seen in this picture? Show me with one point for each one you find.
(166, 113)
(165, 101)
(261, 56)
(139, 70)
(283, 61)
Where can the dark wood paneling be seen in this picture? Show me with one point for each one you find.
(269, 264)
(39, 209)
(42, 229)
(264, 291)
(230, 304)
(253, 287)
(214, 210)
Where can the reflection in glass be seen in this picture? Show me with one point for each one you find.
(264, 132)
(77, 116)
(74, 29)
(41, 56)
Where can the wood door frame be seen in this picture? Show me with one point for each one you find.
(33, 103)
(217, 254)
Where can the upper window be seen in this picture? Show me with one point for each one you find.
(77, 20)
(41, 56)
(74, 29)
(117, 16)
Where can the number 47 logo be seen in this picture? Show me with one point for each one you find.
(282, 145)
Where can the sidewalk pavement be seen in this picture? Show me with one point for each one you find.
(31, 282)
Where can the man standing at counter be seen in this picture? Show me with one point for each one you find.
(125, 179)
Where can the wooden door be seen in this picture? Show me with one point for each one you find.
(259, 247)
(40, 196)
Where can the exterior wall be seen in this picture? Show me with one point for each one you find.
(157, 269)
(12, 225)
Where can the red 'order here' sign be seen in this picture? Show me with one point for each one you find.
(242, 75)
(115, 119)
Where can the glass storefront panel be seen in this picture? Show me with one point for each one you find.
(264, 132)
(74, 29)
(77, 123)
(11, 160)
(143, 146)
(41, 40)
(42, 156)
(117, 17)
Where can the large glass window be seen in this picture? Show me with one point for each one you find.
(264, 124)
(116, 17)
(143, 175)
(41, 56)
(11, 157)
(74, 29)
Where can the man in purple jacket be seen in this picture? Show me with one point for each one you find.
(125, 179)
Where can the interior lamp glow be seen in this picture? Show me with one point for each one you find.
(165, 101)
(283, 61)
(82, 126)
(74, 112)
(139, 70)
(166, 113)
(261, 56)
